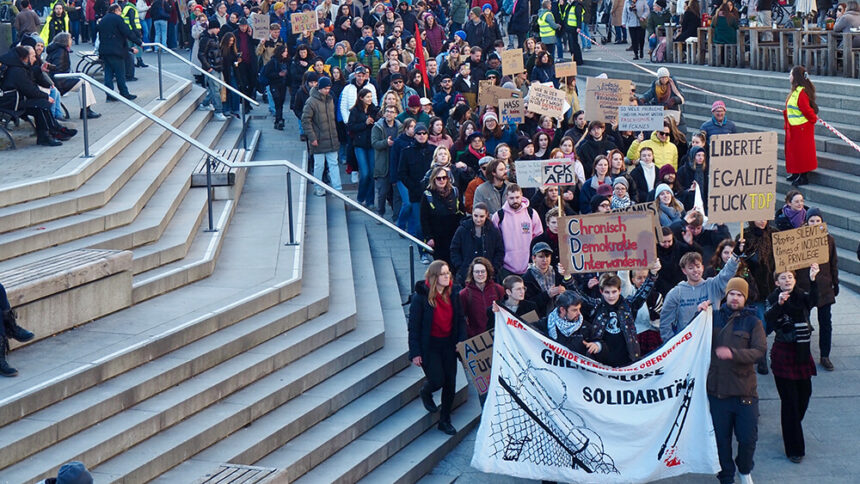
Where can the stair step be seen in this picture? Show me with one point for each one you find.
(78, 170)
(171, 447)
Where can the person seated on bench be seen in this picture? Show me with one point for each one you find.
(39, 71)
(59, 62)
(27, 95)
(9, 329)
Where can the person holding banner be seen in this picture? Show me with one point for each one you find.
(566, 325)
(738, 341)
(543, 282)
(800, 114)
(436, 325)
(787, 315)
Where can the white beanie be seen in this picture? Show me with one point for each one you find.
(662, 72)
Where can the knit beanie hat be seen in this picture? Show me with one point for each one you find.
(620, 180)
(660, 189)
(666, 170)
(74, 473)
(738, 284)
(604, 190)
(214, 23)
(313, 77)
(489, 115)
(523, 142)
(476, 11)
(694, 150)
(813, 212)
(717, 105)
(483, 161)
(460, 34)
(596, 201)
(324, 82)
(662, 72)
(486, 6)
(414, 101)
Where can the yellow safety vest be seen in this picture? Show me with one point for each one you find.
(545, 29)
(571, 17)
(795, 116)
(130, 6)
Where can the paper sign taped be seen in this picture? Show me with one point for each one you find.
(640, 118)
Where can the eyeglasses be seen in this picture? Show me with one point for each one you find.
(441, 178)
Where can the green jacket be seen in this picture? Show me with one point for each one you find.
(656, 20)
(379, 141)
(726, 30)
(319, 123)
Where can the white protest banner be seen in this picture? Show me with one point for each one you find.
(511, 111)
(512, 62)
(476, 354)
(547, 100)
(640, 118)
(552, 414)
(604, 96)
(603, 242)
(801, 247)
(545, 173)
(260, 24)
(742, 181)
(304, 21)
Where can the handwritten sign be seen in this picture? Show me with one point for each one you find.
(545, 173)
(260, 25)
(742, 181)
(547, 100)
(477, 357)
(801, 247)
(304, 21)
(489, 94)
(640, 118)
(511, 111)
(565, 69)
(607, 242)
(512, 62)
(604, 96)
(650, 207)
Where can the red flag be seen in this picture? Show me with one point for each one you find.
(419, 53)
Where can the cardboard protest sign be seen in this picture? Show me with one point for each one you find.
(512, 62)
(547, 100)
(477, 357)
(640, 118)
(607, 242)
(565, 69)
(742, 181)
(801, 247)
(650, 207)
(604, 96)
(260, 25)
(304, 21)
(490, 94)
(511, 111)
(545, 173)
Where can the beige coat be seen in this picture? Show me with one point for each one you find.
(617, 12)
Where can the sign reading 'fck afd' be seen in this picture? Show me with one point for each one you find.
(545, 173)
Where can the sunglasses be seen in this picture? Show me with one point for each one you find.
(397, 82)
(663, 133)
(422, 133)
(441, 178)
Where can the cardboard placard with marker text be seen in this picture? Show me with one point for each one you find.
(742, 181)
(607, 242)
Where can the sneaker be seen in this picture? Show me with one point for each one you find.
(205, 107)
(426, 259)
(746, 478)
(354, 177)
(320, 192)
(219, 117)
(826, 363)
(796, 459)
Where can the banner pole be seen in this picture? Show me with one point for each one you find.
(742, 231)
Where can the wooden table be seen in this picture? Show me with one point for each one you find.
(847, 53)
(755, 42)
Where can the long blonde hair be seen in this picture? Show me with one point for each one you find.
(431, 277)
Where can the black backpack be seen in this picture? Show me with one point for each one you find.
(501, 214)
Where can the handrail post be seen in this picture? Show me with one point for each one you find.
(209, 192)
(86, 113)
(160, 82)
(290, 208)
(244, 125)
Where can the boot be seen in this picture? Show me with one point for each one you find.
(44, 138)
(90, 114)
(140, 62)
(10, 324)
(800, 180)
(427, 400)
(5, 369)
(445, 426)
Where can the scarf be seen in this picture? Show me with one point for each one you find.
(545, 281)
(618, 202)
(555, 323)
(661, 91)
(595, 183)
(796, 217)
(477, 154)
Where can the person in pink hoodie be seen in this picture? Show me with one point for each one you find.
(519, 224)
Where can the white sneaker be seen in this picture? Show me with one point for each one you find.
(319, 191)
(746, 478)
(205, 107)
(426, 259)
(354, 177)
(219, 117)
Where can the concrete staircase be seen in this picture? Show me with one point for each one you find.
(238, 348)
(832, 188)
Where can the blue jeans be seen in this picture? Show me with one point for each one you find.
(586, 44)
(75, 27)
(146, 27)
(213, 93)
(161, 32)
(271, 100)
(171, 35)
(738, 416)
(56, 107)
(559, 42)
(330, 159)
(232, 104)
(410, 213)
(365, 159)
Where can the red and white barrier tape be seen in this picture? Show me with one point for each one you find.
(742, 101)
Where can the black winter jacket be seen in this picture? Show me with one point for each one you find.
(421, 319)
(209, 52)
(465, 246)
(114, 36)
(18, 78)
(782, 319)
(414, 163)
(359, 130)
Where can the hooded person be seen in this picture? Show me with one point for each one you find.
(695, 170)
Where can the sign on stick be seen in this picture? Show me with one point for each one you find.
(511, 111)
(607, 242)
(304, 21)
(742, 181)
(565, 69)
(604, 96)
(545, 173)
(512, 62)
(547, 100)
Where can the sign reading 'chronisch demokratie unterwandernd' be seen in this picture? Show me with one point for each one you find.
(742, 181)
(607, 242)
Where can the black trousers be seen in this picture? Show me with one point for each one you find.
(439, 363)
(738, 416)
(637, 36)
(278, 97)
(40, 111)
(573, 44)
(825, 330)
(794, 400)
(115, 69)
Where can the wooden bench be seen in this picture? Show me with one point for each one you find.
(64, 291)
(236, 473)
(222, 175)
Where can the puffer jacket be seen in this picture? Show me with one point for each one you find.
(414, 163)
(421, 319)
(476, 301)
(742, 332)
(209, 53)
(320, 123)
(459, 9)
(381, 150)
(465, 246)
(665, 152)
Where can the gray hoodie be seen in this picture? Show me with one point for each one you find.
(681, 303)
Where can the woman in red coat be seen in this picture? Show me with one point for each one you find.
(800, 116)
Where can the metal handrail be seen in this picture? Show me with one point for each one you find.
(200, 69)
(205, 149)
